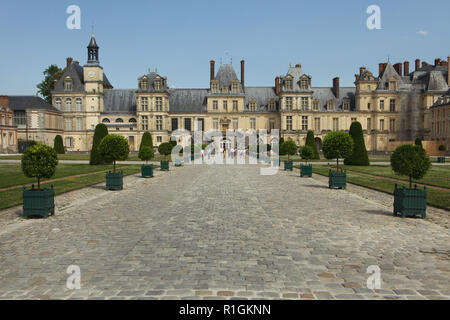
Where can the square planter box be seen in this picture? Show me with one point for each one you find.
(147, 171)
(410, 202)
(164, 165)
(178, 163)
(441, 159)
(38, 203)
(114, 181)
(337, 180)
(289, 165)
(306, 171)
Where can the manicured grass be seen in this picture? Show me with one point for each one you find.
(11, 198)
(436, 198)
(83, 157)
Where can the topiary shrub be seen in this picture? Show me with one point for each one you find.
(418, 142)
(146, 153)
(101, 131)
(311, 142)
(146, 141)
(359, 156)
(58, 145)
(306, 153)
(442, 148)
(165, 149)
(411, 161)
(39, 161)
(337, 145)
(114, 148)
(288, 148)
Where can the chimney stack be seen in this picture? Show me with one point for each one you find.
(277, 86)
(417, 64)
(298, 65)
(213, 64)
(406, 68)
(243, 75)
(424, 64)
(336, 87)
(361, 70)
(4, 101)
(77, 62)
(381, 68)
(437, 62)
(69, 61)
(398, 68)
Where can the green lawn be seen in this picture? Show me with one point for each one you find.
(83, 156)
(12, 198)
(436, 198)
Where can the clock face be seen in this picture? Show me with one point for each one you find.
(91, 74)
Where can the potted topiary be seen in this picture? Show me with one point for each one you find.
(311, 142)
(101, 131)
(114, 148)
(306, 153)
(288, 148)
(39, 161)
(145, 154)
(359, 156)
(411, 161)
(337, 145)
(58, 145)
(165, 149)
(442, 149)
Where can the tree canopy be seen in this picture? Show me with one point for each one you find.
(39, 161)
(359, 156)
(311, 142)
(52, 73)
(306, 153)
(101, 131)
(58, 145)
(337, 145)
(114, 148)
(411, 161)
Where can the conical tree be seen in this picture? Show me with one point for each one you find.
(58, 145)
(146, 141)
(418, 142)
(359, 156)
(311, 142)
(101, 131)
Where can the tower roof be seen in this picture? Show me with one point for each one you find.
(93, 43)
(225, 75)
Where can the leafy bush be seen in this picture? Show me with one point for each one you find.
(311, 142)
(337, 145)
(165, 149)
(114, 148)
(146, 153)
(359, 156)
(39, 161)
(306, 153)
(418, 142)
(101, 131)
(58, 145)
(442, 148)
(146, 141)
(411, 161)
(288, 148)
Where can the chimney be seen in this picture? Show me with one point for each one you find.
(424, 64)
(298, 65)
(213, 63)
(277, 86)
(398, 68)
(77, 62)
(243, 75)
(69, 61)
(361, 70)
(437, 62)
(4, 101)
(417, 64)
(336, 87)
(381, 68)
(406, 68)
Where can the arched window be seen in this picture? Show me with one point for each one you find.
(119, 120)
(68, 104)
(132, 120)
(106, 120)
(79, 104)
(58, 103)
(68, 84)
(144, 83)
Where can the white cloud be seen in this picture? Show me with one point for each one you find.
(422, 32)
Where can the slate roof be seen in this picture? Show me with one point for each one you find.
(119, 101)
(22, 103)
(188, 100)
(325, 94)
(262, 96)
(225, 75)
(151, 80)
(387, 74)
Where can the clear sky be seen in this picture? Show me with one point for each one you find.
(329, 38)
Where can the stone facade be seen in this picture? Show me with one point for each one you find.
(395, 106)
(440, 122)
(8, 131)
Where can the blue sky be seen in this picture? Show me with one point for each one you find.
(329, 38)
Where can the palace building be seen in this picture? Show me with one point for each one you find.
(392, 107)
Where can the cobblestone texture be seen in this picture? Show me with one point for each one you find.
(219, 232)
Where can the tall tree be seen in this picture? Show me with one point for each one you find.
(311, 142)
(51, 74)
(146, 141)
(101, 131)
(359, 156)
(59, 145)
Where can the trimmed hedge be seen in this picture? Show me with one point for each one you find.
(101, 131)
(58, 145)
(311, 142)
(359, 156)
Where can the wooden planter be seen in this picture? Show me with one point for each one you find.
(38, 203)
(164, 165)
(114, 181)
(337, 180)
(410, 202)
(306, 171)
(441, 159)
(147, 171)
(289, 165)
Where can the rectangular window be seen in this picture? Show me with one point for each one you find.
(159, 139)
(235, 105)
(316, 105)
(159, 123)
(304, 123)
(68, 142)
(79, 124)
(253, 123)
(252, 105)
(215, 105)
(392, 105)
(79, 105)
(187, 124)
(159, 103)
(305, 101)
(201, 124)
(272, 124)
(144, 123)
(20, 117)
(289, 123)
(144, 104)
(288, 103)
(216, 124)
(236, 124)
(174, 124)
(317, 124)
(382, 105)
(69, 124)
(369, 124)
(335, 124)
(368, 106)
(225, 106)
(382, 125)
(392, 125)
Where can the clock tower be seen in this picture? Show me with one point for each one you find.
(93, 79)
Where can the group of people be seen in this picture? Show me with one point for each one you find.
(230, 153)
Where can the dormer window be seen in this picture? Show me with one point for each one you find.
(272, 105)
(304, 84)
(315, 105)
(158, 84)
(235, 87)
(330, 105)
(289, 84)
(144, 84)
(393, 85)
(68, 84)
(214, 86)
(346, 105)
(252, 105)
(224, 90)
